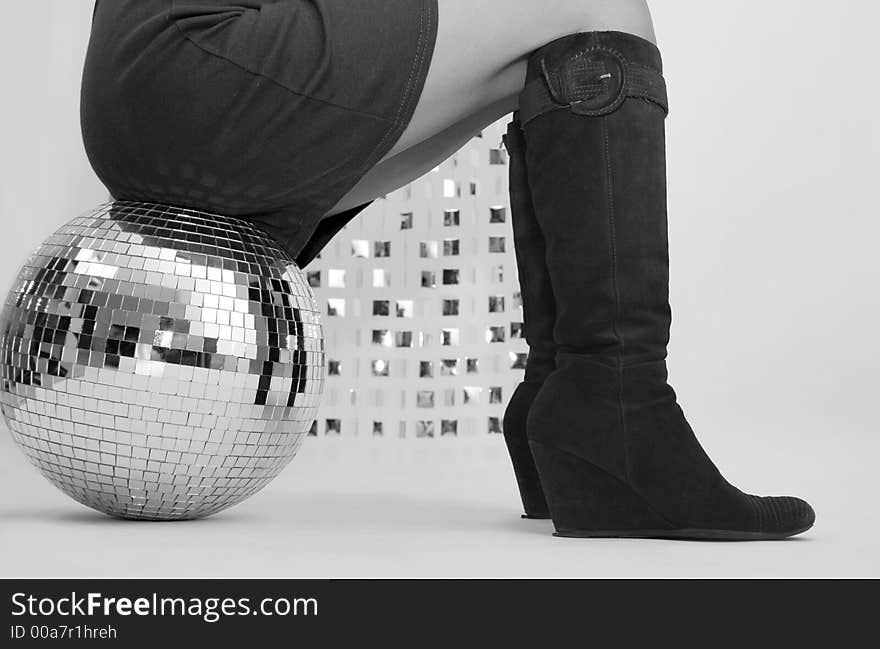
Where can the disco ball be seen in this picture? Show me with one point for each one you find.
(160, 363)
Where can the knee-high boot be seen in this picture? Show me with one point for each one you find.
(615, 454)
(539, 314)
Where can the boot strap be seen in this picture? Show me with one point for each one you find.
(593, 82)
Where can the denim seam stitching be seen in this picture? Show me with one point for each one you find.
(395, 126)
(405, 100)
(271, 80)
(418, 63)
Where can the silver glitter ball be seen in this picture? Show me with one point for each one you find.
(160, 363)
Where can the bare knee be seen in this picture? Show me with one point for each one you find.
(558, 18)
(572, 16)
(480, 54)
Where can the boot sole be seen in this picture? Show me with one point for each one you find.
(534, 517)
(687, 534)
(587, 502)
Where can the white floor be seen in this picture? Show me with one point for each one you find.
(350, 507)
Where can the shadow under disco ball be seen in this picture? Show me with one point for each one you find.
(160, 363)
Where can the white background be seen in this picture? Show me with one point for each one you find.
(773, 172)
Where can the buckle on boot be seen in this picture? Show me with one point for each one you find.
(592, 82)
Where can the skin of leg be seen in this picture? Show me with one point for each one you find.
(398, 170)
(480, 60)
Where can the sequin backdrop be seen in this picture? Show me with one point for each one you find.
(160, 363)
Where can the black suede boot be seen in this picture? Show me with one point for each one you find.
(615, 455)
(539, 314)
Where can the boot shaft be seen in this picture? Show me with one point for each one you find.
(538, 304)
(597, 171)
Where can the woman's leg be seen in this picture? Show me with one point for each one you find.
(476, 75)
(477, 72)
(612, 448)
(482, 48)
(407, 165)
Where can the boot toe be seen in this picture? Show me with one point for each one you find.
(784, 515)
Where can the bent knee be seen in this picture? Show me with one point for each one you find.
(630, 16)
